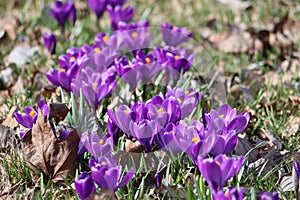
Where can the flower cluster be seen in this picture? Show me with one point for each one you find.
(104, 169)
(143, 121)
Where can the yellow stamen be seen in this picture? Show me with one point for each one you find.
(97, 50)
(226, 194)
(171, 132)
(176, 57)
(218, 163)
(221, 116)
(101, 142)
(72, 58)
(105, 38)
(62, 69)
(95, 86)
(103, 163)
(195, 139)
(32, 113)
(131, 65)
(147, 60)
(179, 100)
(159, 111)
(134, 35)
(187, 92)
(126, 112)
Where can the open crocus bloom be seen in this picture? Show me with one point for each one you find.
(226, 119)
(97, 146)
(174, 36)
(219, 170)
(28, 118)
(109, 176)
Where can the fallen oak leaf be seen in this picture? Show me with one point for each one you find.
(54, 157)
(58, 111)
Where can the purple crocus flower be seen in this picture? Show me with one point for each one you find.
(28, 118)
(128, 71)
(44, 108)
(230, 194)
(146, 65)
(173, 36)
(296, 168)
(95, 86)
(174, 60)
(117, 14)
(97, 6)
(225, 143)
(269, 196)
(219, 170)
(187, 99)
(195, 144)
(122, 118)
(168, 110)
(63, 76)
(22, 134)
(113, 130)
(144, 131)
(109, 177)
(98, 147)
(158, 179)
(115, 3)
(84, 185)
(134, 36)
(50, 42)
(62, 11)
(226, 119)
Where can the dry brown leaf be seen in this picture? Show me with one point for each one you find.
(58, 111)
(8, 140)
(10, 120)
(295, 100)
(271, 137)
(55, 158)
(134, 147)
(292, 126)
(243, 147)
(10, 24)
(236, 42)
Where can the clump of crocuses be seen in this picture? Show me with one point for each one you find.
(105, 172)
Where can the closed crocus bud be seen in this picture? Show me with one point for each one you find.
(98, 7)
(62, 11)
(84, 185)
(50, 42)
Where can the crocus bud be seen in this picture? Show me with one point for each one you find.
(50, 42)
(84, 185)
(62, 11)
